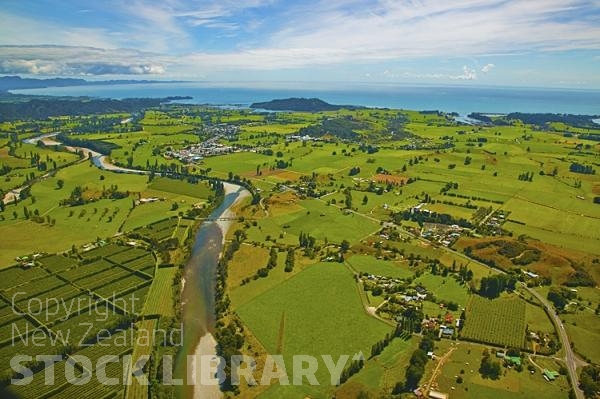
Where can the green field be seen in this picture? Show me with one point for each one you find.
(445, 288)
(334, 190)
(368, 264)
(322, 314)
(464, 361)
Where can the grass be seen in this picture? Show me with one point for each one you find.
(511, 384)
(537, 319)
(181, 187)
(240, 266)
(380, 374)
(323, 311)
(315, 217)
(368, 264)
(582, 325)
(444, 288)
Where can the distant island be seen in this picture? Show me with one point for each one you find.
(17, 82)
(300, 105)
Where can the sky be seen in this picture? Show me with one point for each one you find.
(537, 43)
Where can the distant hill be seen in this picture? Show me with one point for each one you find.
(300, 105)
(17, 82)
(44, 107)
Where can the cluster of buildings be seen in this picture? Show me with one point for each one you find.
(28, 261)
(197, 152)
(495, 221)
(296, 137)
(441, 233)
(386, 283)
(222, 130)
(210, 147)
(93, 245)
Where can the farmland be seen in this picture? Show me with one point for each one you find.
(314, 304)
(464, 362)
(500, 321)
(406, 221)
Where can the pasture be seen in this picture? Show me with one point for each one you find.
(464, 362)
(368, 264)
(322, 314)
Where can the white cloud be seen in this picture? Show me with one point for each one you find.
(73, 61)
(467, 74)
(308, 34)
(487, 67)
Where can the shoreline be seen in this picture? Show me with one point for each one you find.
(207, 346)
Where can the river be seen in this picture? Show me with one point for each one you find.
(198, 296)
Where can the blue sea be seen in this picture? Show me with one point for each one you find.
(460, 99)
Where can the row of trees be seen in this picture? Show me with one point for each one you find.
(416, 367)
(579, 168)
(492, 286)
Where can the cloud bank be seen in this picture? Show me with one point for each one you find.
(198, 37)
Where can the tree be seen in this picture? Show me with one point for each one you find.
(365, 200)
(590, 381)
(60, 183)
(289, 260)
(489, 368)
(345, 246)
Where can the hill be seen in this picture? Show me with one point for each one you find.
(17, 82)
(300, 104)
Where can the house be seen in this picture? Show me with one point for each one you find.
(532, 275)
(550, 375)
(447, 332)
(437, 395)
(449, 318)
(430, 355)
(515, 360)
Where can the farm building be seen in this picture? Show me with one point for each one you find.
(447, 332)
(516, 360)
(437, 395)
(550, 375)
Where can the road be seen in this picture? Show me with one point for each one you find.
(570, 358)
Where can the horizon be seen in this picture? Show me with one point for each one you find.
(554, 44)
(285, 84)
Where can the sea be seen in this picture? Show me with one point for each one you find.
(459, 99)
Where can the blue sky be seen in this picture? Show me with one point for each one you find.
(549, 43)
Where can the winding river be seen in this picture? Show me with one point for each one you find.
(198, 294)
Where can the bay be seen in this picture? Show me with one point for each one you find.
(460, 99)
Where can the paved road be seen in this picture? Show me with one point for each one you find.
(570, 358)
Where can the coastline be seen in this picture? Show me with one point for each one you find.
(207, 346)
